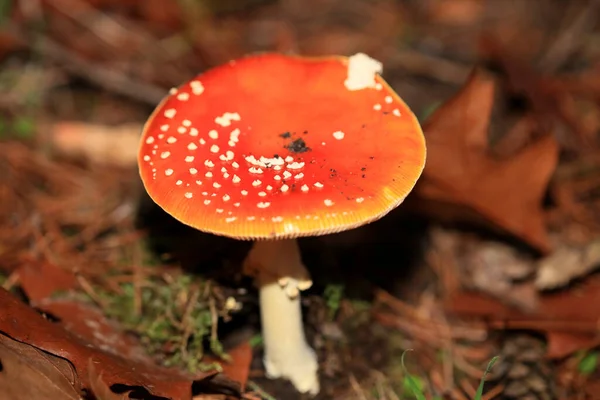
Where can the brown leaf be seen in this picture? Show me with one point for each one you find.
(238, 367)
(568, 311)
(461, 171)
(100, 390)
(24, 324)
(40, 279)
(29, 373)
(88, 322)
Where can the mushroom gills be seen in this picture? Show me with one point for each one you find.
(280, 276)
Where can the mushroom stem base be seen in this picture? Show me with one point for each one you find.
(280, 275)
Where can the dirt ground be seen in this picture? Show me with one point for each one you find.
(494, 253)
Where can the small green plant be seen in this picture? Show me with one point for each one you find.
(415, 385)
(333, 295)
(173, 317)
(588, 363)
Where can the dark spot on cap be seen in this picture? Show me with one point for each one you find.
(297, 146)
(363, 169)
(372, 157)
(363, 175)
(286, 135)
(305, 132)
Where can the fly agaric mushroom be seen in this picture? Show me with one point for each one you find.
(271, 148)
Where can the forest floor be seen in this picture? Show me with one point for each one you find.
(495, 252)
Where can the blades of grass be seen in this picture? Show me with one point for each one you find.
(479, 393)
(412, 384)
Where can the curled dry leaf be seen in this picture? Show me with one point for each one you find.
(22, 323)
(569, 313)
(30, 373)
(116, 145)
(461, 172)
(567, 263)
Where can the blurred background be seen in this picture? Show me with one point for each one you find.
(493, 254)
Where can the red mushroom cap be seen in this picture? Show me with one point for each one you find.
(274, 146)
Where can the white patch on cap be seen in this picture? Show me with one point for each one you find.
(339, 135)
(362, 70)
(170, 113)
(168, 172)
(396, 112)
(192, 146)
(360, 199)
(263, 204)
(328, 202)
(197, 87)
(183, 96)
(150, 140)
(226, 118)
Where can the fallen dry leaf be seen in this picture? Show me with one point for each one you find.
(565, 312)
(567, 263)
(22, 323)
(40, 279)
(99, 389)
(30, 373)
(461, 171)
(116, 145)
(238, 367)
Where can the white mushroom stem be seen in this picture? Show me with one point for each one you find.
(280, 275)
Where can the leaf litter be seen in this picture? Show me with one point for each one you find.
(500, 170)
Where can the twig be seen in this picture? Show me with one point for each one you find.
(260, 391)
(356, 387)
(437, 68)
(567, 41)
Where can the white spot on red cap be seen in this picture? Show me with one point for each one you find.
(213, 134)
(193, 171)
(304, 188)
(328, 202)
(164, 127)
(296, 165)
(165, 154)
(226, 118)
(150, 140)
(277, 219)
(182, 130)
(284, 188)
(189, 158)
(193, 132)
(318, 184)
(263, 204)
(388, 99)
(396, 112)
(169, 172)
(209, 163)
(377, 107)
(339, 135)
(192, 146)
(183, 96)
(214, 148)
(360, 199)
(197, 87)
(362, 71)
(188, 195)
(171, 140)
(170, 113)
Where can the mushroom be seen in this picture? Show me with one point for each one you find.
(271, 148)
